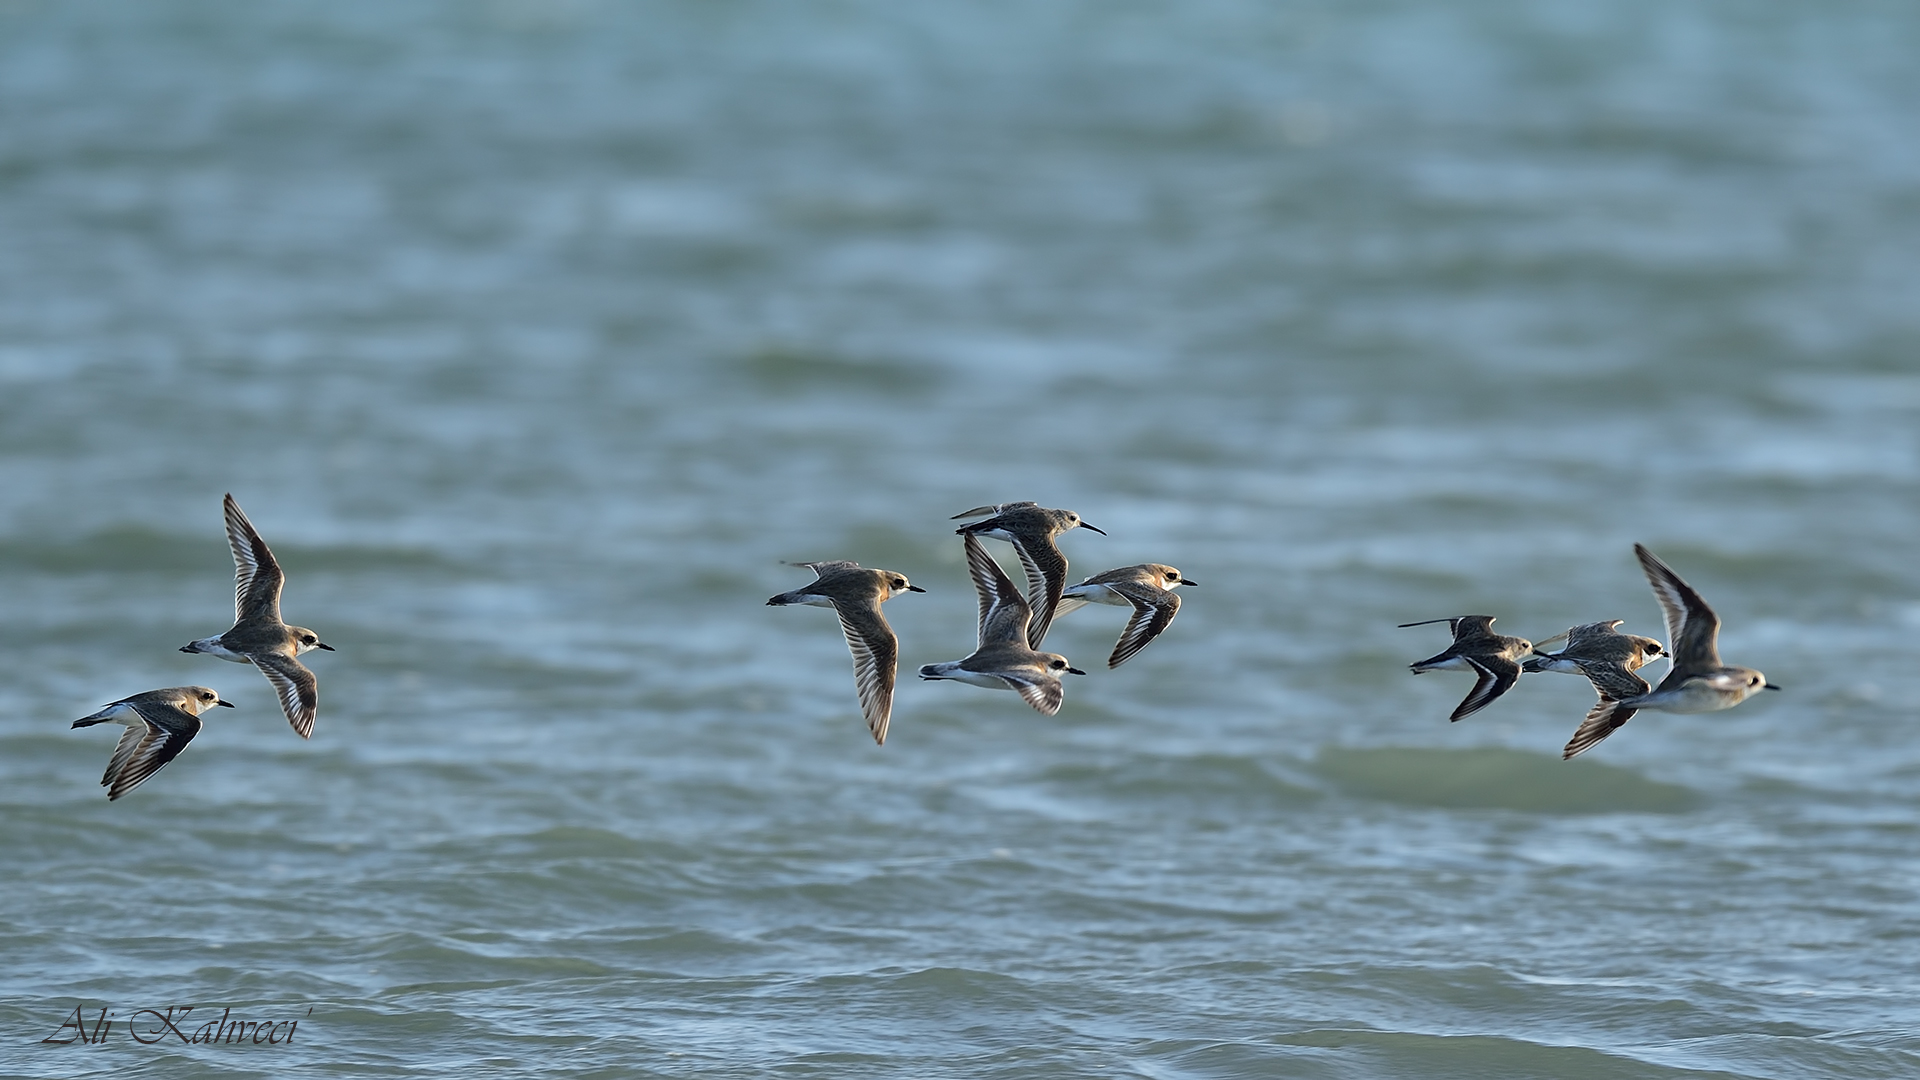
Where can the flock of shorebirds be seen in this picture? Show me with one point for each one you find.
(1008, 655)
(1012, 627)
(160, 723)
(1697, 680)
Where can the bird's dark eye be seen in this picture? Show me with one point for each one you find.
(309, 639)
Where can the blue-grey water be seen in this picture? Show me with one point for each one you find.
(535, 335)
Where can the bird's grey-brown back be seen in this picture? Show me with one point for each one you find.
(1595, 643)
(193, 700)
(1472, 635)
(1159, 575)
(839, 581)
(855, 593)
(259, 636)
(1025, 516)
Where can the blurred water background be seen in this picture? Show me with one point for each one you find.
(535, 335)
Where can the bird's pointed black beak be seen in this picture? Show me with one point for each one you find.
(1075, 671)
(915, 588)
(188, 648)
(323, 645)
(224, 704)
(1187, 583)
(1095, 528)
(1771, 686)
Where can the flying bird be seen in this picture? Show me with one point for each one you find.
(1031, 529)
(1697, 682)
(855, 593)
(1494, 658)
(160, 724)
(1146, 588)
(258, 637)
(1592, 644)
(1004, 660)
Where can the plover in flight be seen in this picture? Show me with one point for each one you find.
(1495, 658)
(160, 724)
(258, 637)
(855, 594)
(1146, 588)
(1697, 682)
(1004, 661)
(1591, 644)
(1030, 528)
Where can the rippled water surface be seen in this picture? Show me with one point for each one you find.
(534, 336)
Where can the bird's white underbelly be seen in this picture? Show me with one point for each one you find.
(953, 670)
(1693, 697)
(212, 647)
(122, 713)
(1094, 594)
